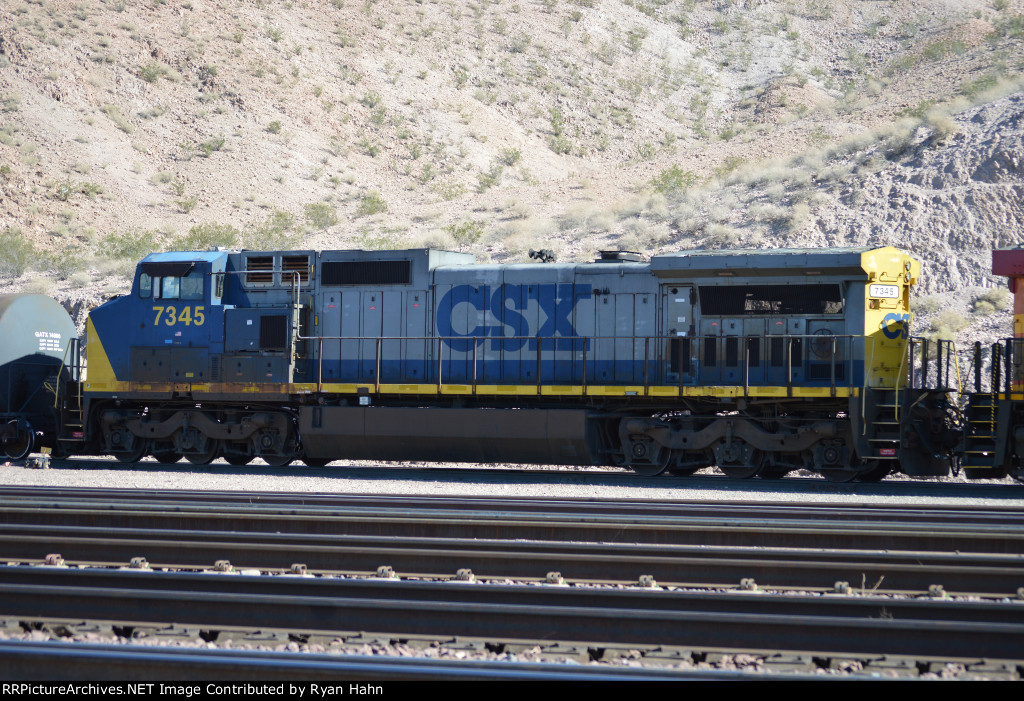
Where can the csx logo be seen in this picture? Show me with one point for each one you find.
(896, 325)
(505, 303)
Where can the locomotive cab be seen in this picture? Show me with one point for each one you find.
(162, 335)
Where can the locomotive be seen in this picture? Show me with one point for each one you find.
(759, 362)
(994, 409)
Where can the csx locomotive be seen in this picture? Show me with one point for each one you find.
(756, 361)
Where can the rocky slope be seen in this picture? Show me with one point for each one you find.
(498, 126)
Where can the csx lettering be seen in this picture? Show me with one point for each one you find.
(187, 316)
(896, 325)
(505, 303)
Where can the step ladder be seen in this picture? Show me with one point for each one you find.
(981, 433)
(884, 418)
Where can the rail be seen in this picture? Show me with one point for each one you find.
(923, 354)
(638, 363)
(997, 367)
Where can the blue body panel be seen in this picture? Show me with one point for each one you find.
(424, 317)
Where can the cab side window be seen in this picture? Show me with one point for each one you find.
(189, 287)
(171, 288)
(192, 286)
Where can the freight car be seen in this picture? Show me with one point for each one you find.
(37, 338)
(759, 362)
(994, 410)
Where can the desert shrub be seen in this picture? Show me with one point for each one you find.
(64, 189)
(152, 72)
(130, 245)
(449, 190)
(208, 147)
(321, 215)
(486, 181)
(673, 180)
(16, 253)
(927, 305)
(560, 144)
(947, 324)
(720, 236)
(372, 203)
(466, 233)
(510, 156)
(277, 232)
(202, 237)
(386, 239)
(65, 262)
(117, 118)
(996, 299)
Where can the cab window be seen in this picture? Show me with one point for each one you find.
(189, 287)
(192, 286)
(170, 288)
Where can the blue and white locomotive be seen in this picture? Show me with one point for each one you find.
(759, 362)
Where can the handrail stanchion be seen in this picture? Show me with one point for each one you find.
(1009, 367)
(379, 342)
(833, 368)
(583, 375)
(977, 367)
(924, 363)
(538, 366)
(789, 365)
(320, 365)
(647, 347)
(746, 366)
(474, 364)
(687, 360)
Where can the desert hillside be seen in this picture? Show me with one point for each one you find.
(498, 126)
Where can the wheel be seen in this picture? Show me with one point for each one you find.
(751, 468)
(19, 444)
(684, 464)
(207, 456)
(315, 462)
(167, 458)
(236, 459)
(134, 455)
(278, 460)
(659, 465)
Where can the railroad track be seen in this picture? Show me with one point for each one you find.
(684, 566)
(738, 553)
(843, 626)
(55, 661)
(963, 550)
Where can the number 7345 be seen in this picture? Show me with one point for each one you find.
(187, 316)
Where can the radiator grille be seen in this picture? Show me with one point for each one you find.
(273, 332)
(371, 272)
(261, 264)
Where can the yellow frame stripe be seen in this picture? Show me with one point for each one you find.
(653, 391)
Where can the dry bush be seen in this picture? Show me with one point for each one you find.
(996, 299)
(719, 235)
(947, 324)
